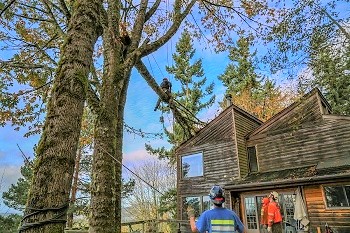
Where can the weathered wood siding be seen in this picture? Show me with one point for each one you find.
(319, 215)
(303, 112)
(216, 141)
(326, 140)
(243, 126)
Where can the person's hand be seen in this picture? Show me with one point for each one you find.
(269, 229)
(190, 212)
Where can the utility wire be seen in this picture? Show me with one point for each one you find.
(115, 159)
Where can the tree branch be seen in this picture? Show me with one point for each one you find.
(138, 25)
(6, 7)
(178, 18)
(58, 27)
(152, 10)
(64, 9)
(182, 119)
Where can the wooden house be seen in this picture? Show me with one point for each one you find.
(303, 153)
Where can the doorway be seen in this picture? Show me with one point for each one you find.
(252, 209)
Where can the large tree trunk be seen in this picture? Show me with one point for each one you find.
(48, 198)
(106, 169)
(73, 195)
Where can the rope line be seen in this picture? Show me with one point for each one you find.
(59, 217)
(116, 160)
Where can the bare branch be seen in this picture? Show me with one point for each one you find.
(65, 9)
(181, 118)
(6, 7)
(138, 25)
(152, 10)
(178, 18)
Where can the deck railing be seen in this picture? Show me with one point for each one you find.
(149, 226)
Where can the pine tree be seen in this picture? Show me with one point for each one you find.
(194, 95)
(330, 64)
(250, 91)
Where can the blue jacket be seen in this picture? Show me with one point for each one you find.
(219, 220)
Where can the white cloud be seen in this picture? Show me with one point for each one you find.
(8, 175)
(136, 156)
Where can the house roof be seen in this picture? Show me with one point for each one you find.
(291, 177)
(285, 111)
(217, 118)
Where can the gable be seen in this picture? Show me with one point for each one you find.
(308, 110)
(218, 130)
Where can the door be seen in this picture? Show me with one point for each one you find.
(252, 208)
(251, 214)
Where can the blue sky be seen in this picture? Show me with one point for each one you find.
(138, 114)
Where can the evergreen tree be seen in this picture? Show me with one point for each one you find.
(249, 90)
(17, 194)
(194, 94)
(330, 64)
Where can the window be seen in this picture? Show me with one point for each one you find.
(192, 165)
(337, 196)
(199, 203)
(252, 160)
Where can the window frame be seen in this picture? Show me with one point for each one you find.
(202, 165)
(325, 196)
(249, 159)
(201, 204)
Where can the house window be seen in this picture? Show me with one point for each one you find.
(337, 196)
(199, 203)
(252, 160)
(192, 165)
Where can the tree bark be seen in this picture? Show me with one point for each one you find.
(48, 198)
(74, 188)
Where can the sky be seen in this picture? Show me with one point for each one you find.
(139, 114)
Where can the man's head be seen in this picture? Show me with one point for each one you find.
(216, 195)
(165, 79)
(274, 195)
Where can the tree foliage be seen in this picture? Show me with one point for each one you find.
(249, 90)
(9, 223)
(17, 194)
(293, 28)
(330, 66)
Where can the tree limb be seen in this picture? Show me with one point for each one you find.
(183, 121)
(152, 10)
(178, 18)
(6, 7)
(58, 27)
(64, 9)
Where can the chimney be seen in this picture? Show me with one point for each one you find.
(228, 99)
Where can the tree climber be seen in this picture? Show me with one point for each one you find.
(166, 87)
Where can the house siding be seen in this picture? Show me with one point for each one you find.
(319, 215)
(243, 126)
(216, 143)
(326, 140)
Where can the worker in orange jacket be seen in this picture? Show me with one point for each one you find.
(264, 220)
(274, 214)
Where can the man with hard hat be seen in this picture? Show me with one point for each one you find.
(274, 214)
(166, 87)
(218, 219)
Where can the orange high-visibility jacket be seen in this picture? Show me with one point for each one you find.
(264, 213)
(274, 213)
